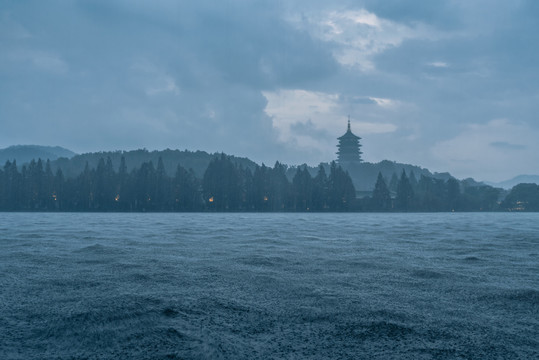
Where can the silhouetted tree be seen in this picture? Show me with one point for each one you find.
(393, 183)
(220, 185)
(341, 191)
(381, 199)
(302, 189)
(320, 190)
(145, 187)
(413, 180)
(186, 192)
(261, 188)
(453, 194)
(279, 188)
(163, 196)
(405, 194)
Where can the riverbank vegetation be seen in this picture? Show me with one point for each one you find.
(228, 186)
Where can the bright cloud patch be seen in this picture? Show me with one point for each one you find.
(359, 34)
(314, 119)
(438, 64)
(490, 151)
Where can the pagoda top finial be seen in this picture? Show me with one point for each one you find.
(349, 123)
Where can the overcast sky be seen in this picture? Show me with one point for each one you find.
(447, 85)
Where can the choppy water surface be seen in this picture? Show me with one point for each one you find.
(264, 286)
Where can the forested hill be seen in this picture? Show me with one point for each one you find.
(198, 161)
(364, 174)
(26, 153)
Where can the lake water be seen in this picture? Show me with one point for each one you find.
(269, 286)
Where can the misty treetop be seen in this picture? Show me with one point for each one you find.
(226, 185)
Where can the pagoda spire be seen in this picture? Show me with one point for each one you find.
(349, 148)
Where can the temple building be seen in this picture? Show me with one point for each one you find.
(349, 148)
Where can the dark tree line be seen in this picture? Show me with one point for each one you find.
(523, 197)
(226, 186)
(429, 194)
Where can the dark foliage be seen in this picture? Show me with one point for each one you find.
(523, 197)
(227, 185)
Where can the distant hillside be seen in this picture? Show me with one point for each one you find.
(25, 153)
(364, 174)
(196, 160)
(520, 179)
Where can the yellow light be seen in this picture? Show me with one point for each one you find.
(210, 199)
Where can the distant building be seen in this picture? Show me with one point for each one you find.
(349, 148)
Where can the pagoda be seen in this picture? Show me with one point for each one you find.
(349, 148)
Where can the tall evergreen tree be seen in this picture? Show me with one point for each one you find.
(405, 194)
(428, 194)
(58, 190)
(261, 188)
(220, 185)
(381, 199)
(186, 192)
(341, 191)
(104, 185)
(320, 190)
(453, 194)
(162, 188)
(279, 188)
(144, 188)
(12, 186)
(413, 180)
(393, 183)
(302, 189)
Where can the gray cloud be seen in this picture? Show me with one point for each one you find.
(507, 146)
(98, 75)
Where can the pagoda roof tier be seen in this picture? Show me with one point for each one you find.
(349, 134)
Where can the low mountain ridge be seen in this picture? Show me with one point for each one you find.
(520, 179)
(25, 153)
(198, 161)
(363, 174)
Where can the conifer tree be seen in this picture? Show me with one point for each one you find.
(341, 191)
(453, 194)
(413, 180)
(261, 188)
(162, 188)
(320, 190)
(405, 194)
(302, 189)
(279, 188)
(185, 191)
(393, 183)
(220, 185)
(381, 200)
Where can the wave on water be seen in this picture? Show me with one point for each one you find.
(269, 286)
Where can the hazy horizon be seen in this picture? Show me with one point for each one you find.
(446, 86)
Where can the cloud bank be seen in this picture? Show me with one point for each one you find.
(423, 83)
